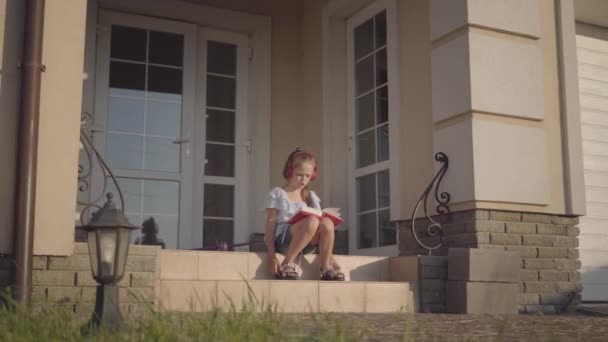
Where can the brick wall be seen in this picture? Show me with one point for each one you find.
(68, 280)
(433, 275)
(547, 245)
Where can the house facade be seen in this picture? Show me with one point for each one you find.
(195, 105)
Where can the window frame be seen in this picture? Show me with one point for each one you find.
(393, 164)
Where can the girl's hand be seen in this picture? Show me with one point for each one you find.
(273, 264)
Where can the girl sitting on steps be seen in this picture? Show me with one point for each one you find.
(305, 235)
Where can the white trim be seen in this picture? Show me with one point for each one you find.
(345, 27)
(574, 183)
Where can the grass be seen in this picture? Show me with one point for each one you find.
(253, 322)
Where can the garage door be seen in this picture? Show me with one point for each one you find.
(592, 49)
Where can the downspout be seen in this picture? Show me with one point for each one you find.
(27, 151)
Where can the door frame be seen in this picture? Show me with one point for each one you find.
(256, 27)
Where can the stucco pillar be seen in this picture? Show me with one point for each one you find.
(489, 100)
(496, 114)
(60, 109)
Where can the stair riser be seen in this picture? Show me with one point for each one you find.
(288, 296)
(189, 265)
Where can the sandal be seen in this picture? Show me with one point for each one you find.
(288, 272)
(332, 274)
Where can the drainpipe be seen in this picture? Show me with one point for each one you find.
(27, 151)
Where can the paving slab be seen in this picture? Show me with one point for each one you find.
(457, 327)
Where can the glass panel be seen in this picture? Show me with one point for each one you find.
(92, 243)
(380, 20)
(159, 230)
(176, 98)
(219, 200)
(382, 104)
(367, 230)
(128, 43)
(127, 75)
(388, 233)
(162, 154)
(215, 231)
(119, 92)
(381, 69)
(124, 151)
(164, 118)
(384, 189)
(220, 160)
(166, 48)
(131, 191)
(364, 75)
(383, 143)
(107, 242)
(136, 220)
(125, 115)
(364, 39)
(366, 148)
(221, 58)
(221, 92)
(365, 112)
(160, 197)
(122, 251)
(164, 80)
(220, 126)
(366, 193)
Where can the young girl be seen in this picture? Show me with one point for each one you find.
(304, 235)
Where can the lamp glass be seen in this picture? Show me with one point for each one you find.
(124, 239)
(93, 255)
(107, 254)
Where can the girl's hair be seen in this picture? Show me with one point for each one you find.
(298, 157)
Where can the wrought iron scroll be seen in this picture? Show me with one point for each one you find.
(434, 228)
(85, 170)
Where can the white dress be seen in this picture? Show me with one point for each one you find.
(277, 199)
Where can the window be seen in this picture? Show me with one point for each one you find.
(370, 131)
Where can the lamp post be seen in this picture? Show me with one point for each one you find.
(108, 236)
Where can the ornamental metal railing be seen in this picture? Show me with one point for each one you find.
(434, 229)
(85, 170)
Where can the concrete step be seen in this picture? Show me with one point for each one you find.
(287, 296)
(207, 265)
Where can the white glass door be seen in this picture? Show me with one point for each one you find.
(370, 124)
(171, 121)
(144, 114)
(221, 208)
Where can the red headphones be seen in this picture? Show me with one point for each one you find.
(288, 168)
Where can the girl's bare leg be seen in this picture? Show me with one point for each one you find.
(302, 233)
(325, 240)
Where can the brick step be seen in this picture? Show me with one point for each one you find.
(287, 296)
(205, 265)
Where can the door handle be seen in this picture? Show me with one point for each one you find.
(248, 146)
(181, 141)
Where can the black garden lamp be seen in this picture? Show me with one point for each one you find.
(108, 236)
